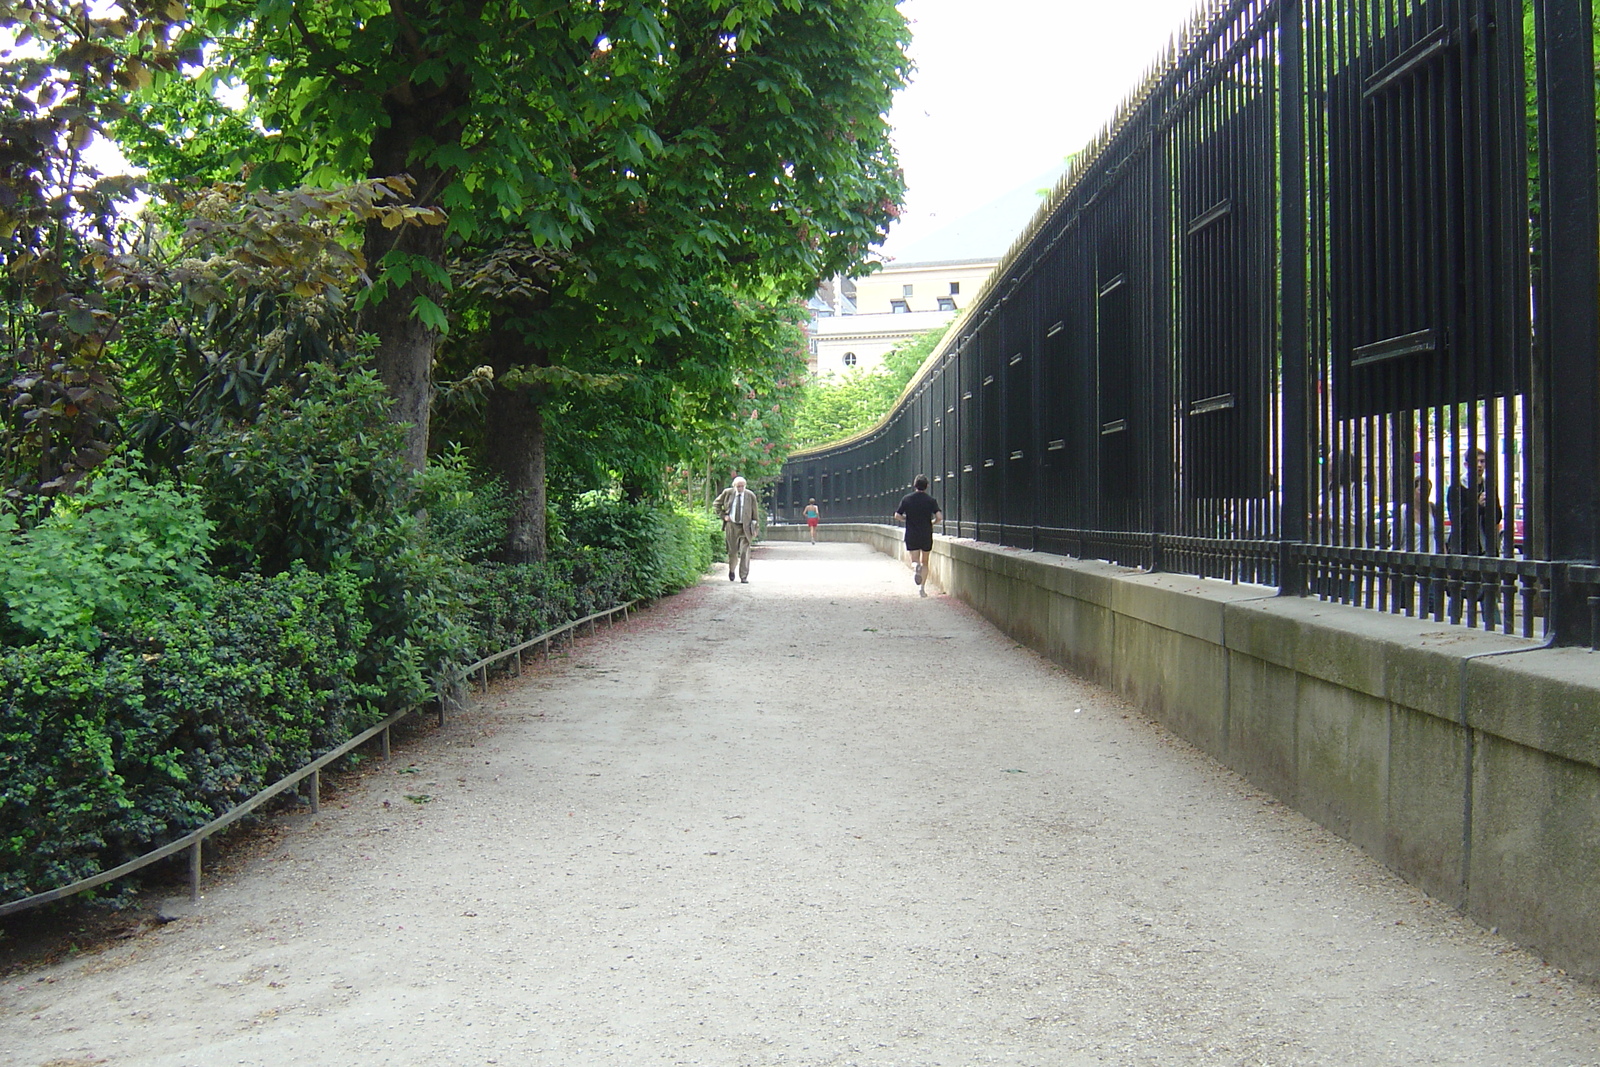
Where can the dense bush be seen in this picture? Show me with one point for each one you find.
(466, 515)
(121, 552)
(165, 656)
(318, 480)
(105, 752)
(317, 477)
(670, 548)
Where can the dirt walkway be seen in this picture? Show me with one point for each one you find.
(808, 820)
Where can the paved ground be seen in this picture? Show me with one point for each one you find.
(808, 820)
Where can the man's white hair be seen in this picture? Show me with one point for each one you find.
(738, 483)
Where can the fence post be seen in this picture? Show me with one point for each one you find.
(386, 743)
(1292, 227)
(314, 790)
(1569, 327)
(194, 868)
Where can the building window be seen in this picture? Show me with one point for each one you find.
(849, 359)
(955, 288)
(899, 307)
(905, 291)
(946, 304)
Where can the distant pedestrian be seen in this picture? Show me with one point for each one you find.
(813, 516)
(1476, 525)
(736, 506)
(919, 512)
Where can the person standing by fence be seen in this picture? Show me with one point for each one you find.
(736, 506)
(813, 516)
(1475, 525)
(919, 512)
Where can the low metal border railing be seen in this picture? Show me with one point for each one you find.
(194, 840)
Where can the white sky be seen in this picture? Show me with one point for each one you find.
(1006, 89)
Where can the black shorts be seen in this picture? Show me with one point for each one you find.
(919, 540)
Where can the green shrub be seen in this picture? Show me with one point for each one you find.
(467, 516)
(669, 549)
(120, 552)
(317, 477)
(513, 602)
(107, 753)
(692, 543)
(141, 696)
(318, 480)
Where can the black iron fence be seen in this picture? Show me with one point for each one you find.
(1318, 310)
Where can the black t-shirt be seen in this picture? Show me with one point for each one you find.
(918, 509)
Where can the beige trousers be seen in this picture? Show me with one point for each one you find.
(737, 536)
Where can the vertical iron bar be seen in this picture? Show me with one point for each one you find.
(1294, 256)
(1568, 326)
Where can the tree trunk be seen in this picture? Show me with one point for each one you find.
(515, 443)
(406, 345)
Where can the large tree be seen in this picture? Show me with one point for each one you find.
(763, 117)
(649, 145)
(767, 163)
(475, 99)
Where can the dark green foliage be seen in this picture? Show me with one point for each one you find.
(466, 515)
(106, 753)
(186, 707)
(513, 602)
(614, 552)
(318, 479)
(671, 549)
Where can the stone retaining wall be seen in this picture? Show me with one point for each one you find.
(1467, 762)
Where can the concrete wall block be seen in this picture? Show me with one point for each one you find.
(1083, 637)
(1535, 866)
(1257, 630)
(1179, 680)
(1151, 598)
(1097, 582)
(1056, 574)
(1026, 609)
(1424, 673)
(1015, 566)
(1344, 656)
(1342, 760)
(1426, 820)
(1260, 738)
(1547, 699)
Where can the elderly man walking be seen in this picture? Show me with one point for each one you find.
(737, 507)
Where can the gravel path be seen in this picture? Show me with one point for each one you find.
(809, 820)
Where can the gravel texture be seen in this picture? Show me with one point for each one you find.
(809, 820)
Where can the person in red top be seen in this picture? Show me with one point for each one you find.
(919, 512)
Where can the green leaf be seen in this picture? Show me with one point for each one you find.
(430, 314)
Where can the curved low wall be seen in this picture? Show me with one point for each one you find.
(1467, 762)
